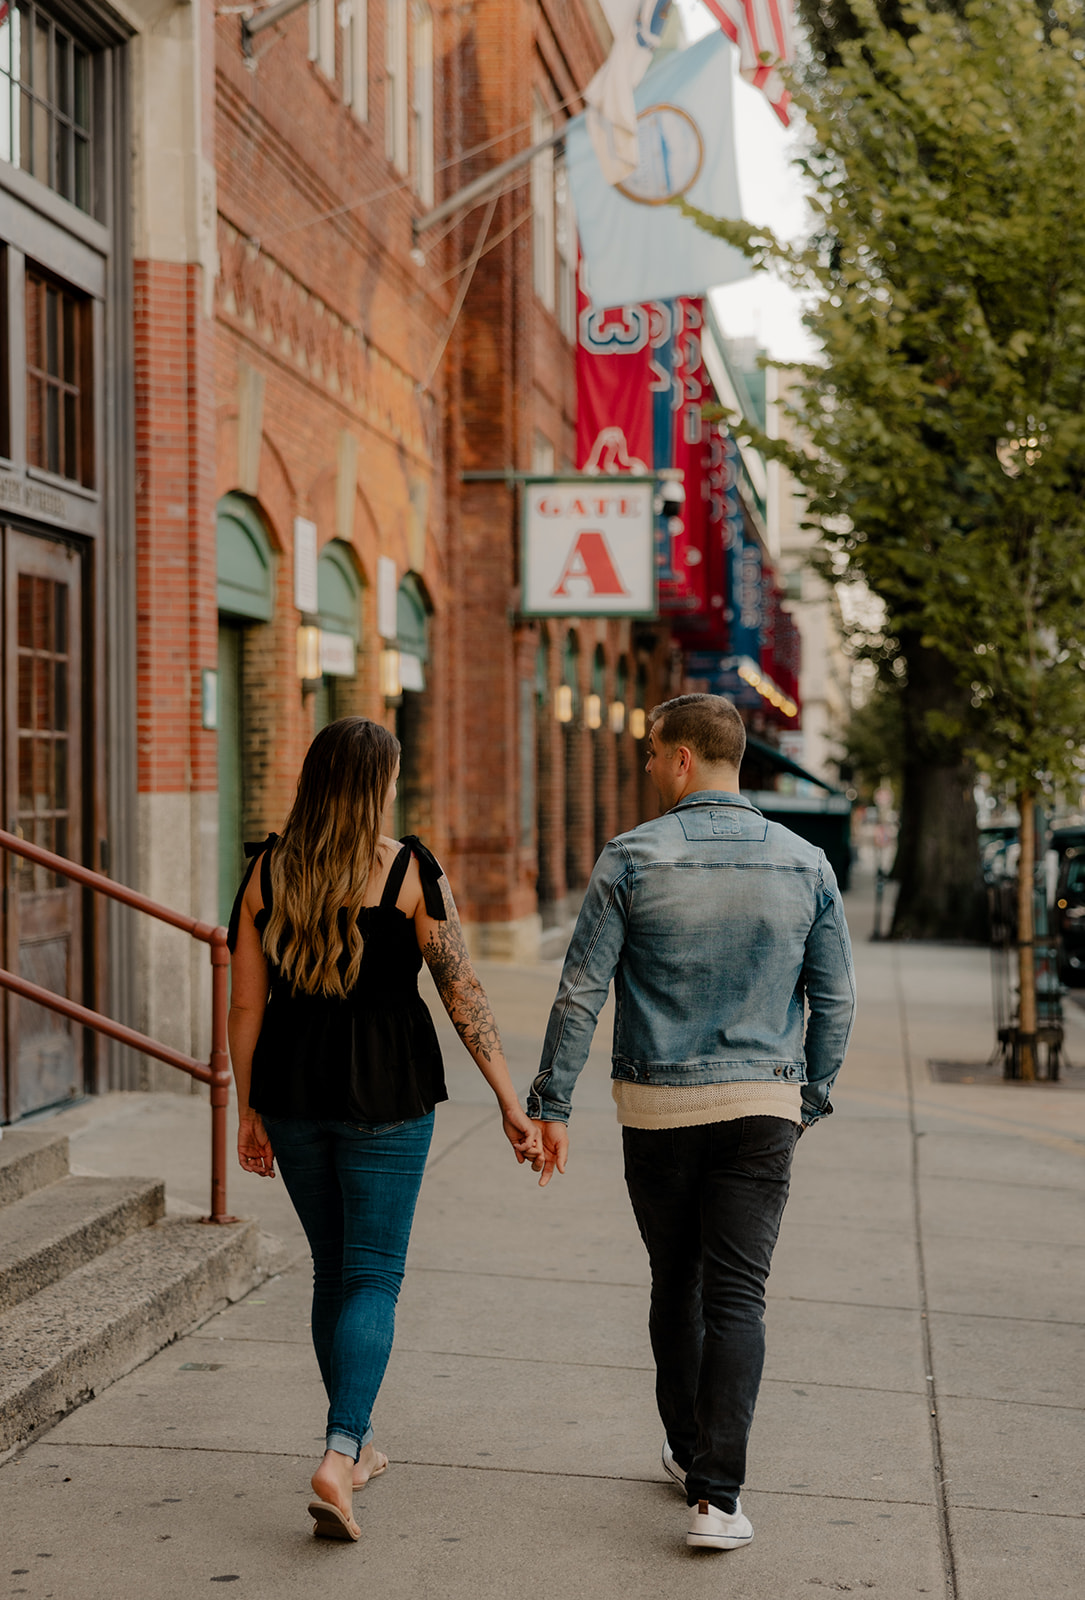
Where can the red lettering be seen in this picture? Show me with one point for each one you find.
(590, 558)
(549, 508)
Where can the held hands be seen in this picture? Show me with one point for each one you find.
(254, 1150)
(522, 1134)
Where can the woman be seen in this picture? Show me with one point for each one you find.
(337, 1063)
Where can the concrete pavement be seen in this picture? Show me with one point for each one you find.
(920, 1424)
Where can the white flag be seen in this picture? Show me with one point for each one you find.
(637, 26)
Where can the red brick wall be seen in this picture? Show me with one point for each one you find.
(175, 576)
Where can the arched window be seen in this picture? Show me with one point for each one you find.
(245, 598)
(412, 633)
(338, 612)
(245, 586)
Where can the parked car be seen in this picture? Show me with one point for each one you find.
(1070, 912)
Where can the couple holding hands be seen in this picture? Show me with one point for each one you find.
(726, 940)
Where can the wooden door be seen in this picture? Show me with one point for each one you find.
(43, 802)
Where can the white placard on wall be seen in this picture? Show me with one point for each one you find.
(387, 596)
(589, 549)
(337, 654)
(305, 588)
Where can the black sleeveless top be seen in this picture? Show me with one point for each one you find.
(372, 1056)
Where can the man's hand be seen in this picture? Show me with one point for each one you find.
(254, 1150)
(555, 1150)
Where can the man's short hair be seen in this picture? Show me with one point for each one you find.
(707, 724)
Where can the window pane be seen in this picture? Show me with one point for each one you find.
(60, 703)
(60, 789)
(25, 800)
(82, 173)
(63, 65)
(60, 627)
(39, 66)
(64, 160)
(82, 90)
(70, 464)
(70, 321)
(39, 160)
(26, 107)
(51, 363)
(52, 429)
(35, 443)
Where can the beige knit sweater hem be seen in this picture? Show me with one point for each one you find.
(652, 1105)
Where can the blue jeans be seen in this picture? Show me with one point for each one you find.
(708, 1202)
(354, 1187)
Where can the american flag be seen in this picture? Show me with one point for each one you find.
(762, 30)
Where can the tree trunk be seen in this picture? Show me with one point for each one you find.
(1026, 936)
(938, 862)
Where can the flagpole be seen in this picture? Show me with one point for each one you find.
(481, 186)
(252, 25)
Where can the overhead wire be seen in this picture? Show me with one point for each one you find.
(405, 183)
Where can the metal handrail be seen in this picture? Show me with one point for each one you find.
(216, 1072)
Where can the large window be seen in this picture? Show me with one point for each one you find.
(422, 100)
(542, 205)
(45, 101)
(395, 83)
(322, 35)
(354, 21)
(59, 390)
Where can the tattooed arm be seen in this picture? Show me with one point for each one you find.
(463, 997)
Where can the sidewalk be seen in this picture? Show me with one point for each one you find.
(920, 1424)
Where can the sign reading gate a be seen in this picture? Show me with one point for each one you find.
(589, 548)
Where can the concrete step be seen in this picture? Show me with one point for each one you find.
(30, 1158)
(72, 1339)
(55, 1230)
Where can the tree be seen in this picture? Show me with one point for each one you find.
(946, 424)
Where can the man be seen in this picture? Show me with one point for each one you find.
(716, 926)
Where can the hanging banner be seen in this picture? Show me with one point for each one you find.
(588, 551)
(614, 411)
(680, 443)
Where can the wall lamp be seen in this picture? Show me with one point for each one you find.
(616, 716)
(593, 711)
(391, 685)
(638, 722)
(563, 703)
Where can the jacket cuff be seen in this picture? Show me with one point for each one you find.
(542, 1110)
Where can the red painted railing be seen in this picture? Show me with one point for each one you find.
(215, 1072)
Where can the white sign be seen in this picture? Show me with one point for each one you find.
(387, 596)
(336, 654)
(305, 591)
(589, 549)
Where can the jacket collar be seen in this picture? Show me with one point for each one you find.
(714, 797)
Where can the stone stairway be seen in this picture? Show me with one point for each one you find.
(95, 1278)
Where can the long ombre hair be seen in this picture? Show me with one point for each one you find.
(324, 858)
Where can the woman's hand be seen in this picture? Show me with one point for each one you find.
(522, 1133)
(254, 1150)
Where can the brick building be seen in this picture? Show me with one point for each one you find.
(256, 440)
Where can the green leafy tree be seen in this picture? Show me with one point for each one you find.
(946, 423)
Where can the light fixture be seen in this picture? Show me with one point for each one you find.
(308, 652)
(637, 722)
(563, 703)
(390, 685)
(593, 711)
(616, 716)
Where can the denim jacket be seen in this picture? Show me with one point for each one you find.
(716, 926)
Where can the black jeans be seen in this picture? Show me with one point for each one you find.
(708, 1202)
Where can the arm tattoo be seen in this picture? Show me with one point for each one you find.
(461, 993)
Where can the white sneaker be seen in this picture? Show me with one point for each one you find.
(671, 1467)
(712, 1529)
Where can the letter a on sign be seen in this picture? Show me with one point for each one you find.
(590, 558)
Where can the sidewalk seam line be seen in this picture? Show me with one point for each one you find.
(941, 1500)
